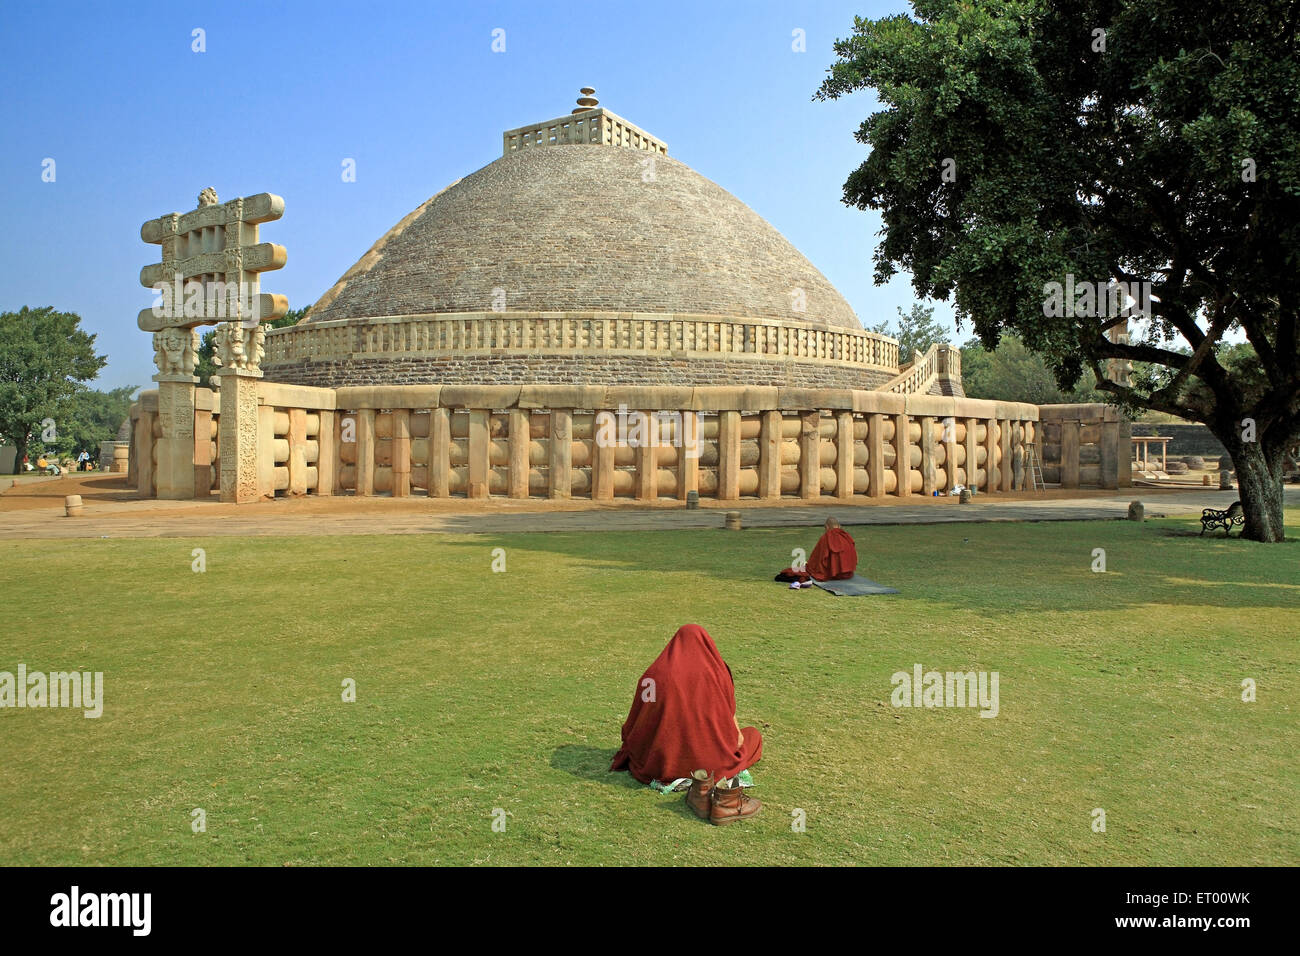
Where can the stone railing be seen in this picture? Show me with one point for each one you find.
(596, 126)
(606, 442)
(1085, 446)
(918, 378)
(567, 333)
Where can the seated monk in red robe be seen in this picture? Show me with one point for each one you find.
(835, 557)
(683, 724)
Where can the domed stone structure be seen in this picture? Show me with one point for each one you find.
(583, 255)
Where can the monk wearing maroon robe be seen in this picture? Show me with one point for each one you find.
(683, 724)
(835, 557)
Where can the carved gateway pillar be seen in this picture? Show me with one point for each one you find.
(211, 261)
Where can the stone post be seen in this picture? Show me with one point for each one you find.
(902, 457)
(928, 476)
(647, 459)
(237, 435)
(810, 455)
(876, 455)
(1069, 454)
(560, 460)
(844, 450)
(297, 463)
(480, 453)
(202, 453)
(365, 452)
(401, 452)
(327, 453)
(1005, 439)
(602, 463)
(439, 452)
(728, 455)
(990, 453)
(518, 442)
(769, 455)
(972, 456)
(176, 445)
(688, 456)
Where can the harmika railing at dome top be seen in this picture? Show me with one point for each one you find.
(601, 443)
(475, 331)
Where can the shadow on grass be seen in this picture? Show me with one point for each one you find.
(591, 763)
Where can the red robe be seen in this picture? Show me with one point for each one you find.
(835, 557)
(686, 720)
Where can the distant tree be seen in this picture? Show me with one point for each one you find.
(916, 331)
(1013, 373)
(45, 358)
(1023, 148)
(207, 344)
(92, 416)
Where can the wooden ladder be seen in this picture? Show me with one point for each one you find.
(1035, 466)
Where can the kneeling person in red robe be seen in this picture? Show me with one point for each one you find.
(683, 724)
(836, 557)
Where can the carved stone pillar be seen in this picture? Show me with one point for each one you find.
(237, 435)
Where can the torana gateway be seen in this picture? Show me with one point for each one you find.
(499, 340)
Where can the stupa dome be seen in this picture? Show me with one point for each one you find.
(583, 254)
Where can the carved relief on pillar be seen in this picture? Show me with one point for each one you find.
(240, 348)
(176, 351)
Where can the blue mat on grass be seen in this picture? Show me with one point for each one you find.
(854, 587)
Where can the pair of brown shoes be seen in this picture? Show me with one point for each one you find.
(719, 805)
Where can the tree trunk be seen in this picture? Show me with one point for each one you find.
(1259, 481)
(20, 452)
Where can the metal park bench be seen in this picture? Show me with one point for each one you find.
(1211, 519)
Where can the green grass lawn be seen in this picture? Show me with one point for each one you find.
(480, 690)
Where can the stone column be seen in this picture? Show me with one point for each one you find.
(327, 453)
(439, 453)
(902, 457)
(237, 435)
(480, 453)
(202, 453)
(972, 456)
(602, 457)
(769, 456)
(560, 460)
(518, 442)
(844, 453)
(176, 445)
(1005, 440)
(647, 459)
(810, 456)
(1069, 454)
(928, 476)
(990, 453)
(876, 455)
(949, 454)
(401, 452)
(728, 455)
(688, 456)
(365, 452)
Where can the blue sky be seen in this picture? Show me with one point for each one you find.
(137, 123)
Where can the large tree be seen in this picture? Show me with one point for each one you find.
(1029, 149)
(917, 330)
(45, 358)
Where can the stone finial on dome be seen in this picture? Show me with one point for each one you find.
(586, 101)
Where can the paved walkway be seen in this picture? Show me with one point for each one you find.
(169, 519)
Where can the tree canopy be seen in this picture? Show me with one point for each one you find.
(45, 359)
(1029, 155)
(916, 331)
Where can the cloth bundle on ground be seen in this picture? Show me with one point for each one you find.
(835, 557)
(685, 719)
(790, 574)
